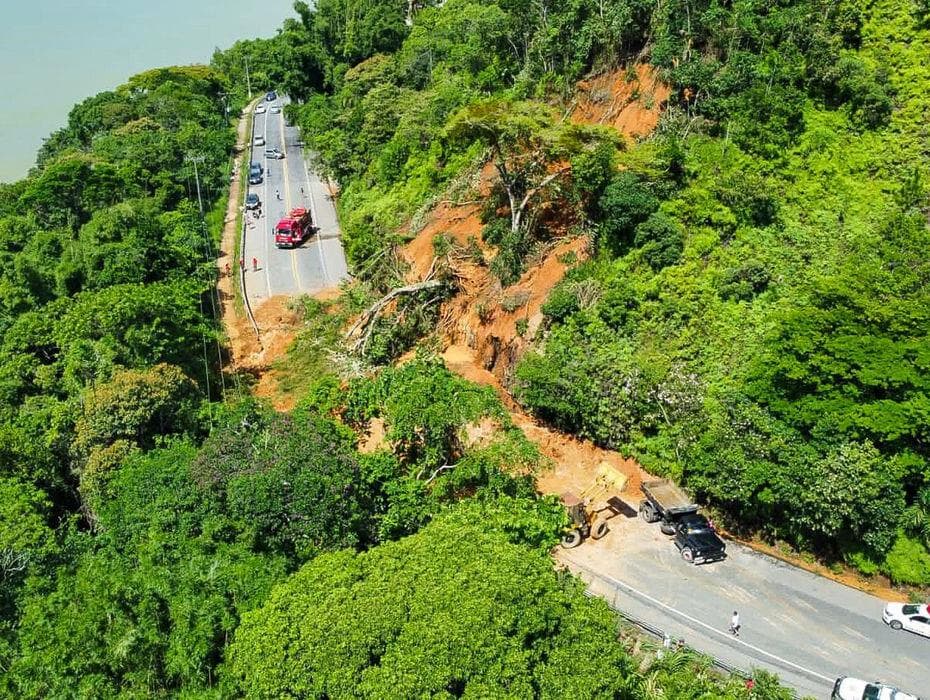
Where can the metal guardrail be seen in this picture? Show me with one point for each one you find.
(247, 162)
(245, 293)
(661, 634)
(658, 632)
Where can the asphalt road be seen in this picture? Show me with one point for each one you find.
(320, 262)
(807, 629)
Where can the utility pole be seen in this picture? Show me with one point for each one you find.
(225, 97)
(197, 159)
(248, 80)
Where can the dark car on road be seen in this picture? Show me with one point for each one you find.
(271, 96)
(255, 173)
(252, 201)
(697, 541)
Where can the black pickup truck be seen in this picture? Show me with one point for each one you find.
(697, 541)
(694, 537)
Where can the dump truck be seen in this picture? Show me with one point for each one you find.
(590, 510)
(293, 229)
(666, 502)
(693, 535)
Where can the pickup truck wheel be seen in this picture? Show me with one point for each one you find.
(667, 528)
(896, 624)
(571, 539)
(599, 530)
(647, 512)
(687, 555)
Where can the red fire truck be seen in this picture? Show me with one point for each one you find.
(294, 229)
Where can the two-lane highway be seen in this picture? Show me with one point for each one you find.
(807, 629)
(288, 183)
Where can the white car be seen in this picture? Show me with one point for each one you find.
(259, 141)
(260, 109)
(907, 616)
(275, 109)
(855, 689)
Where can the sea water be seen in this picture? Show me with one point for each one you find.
(55, 53)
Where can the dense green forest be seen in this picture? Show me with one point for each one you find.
(757, 329)
(753, 319)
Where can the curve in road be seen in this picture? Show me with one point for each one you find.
(807, 629)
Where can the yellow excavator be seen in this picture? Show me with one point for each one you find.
(585, 509)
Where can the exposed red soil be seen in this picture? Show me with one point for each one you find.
(278, 324)
(631, 101)
(374, 438)
(483, 316)
(480, 336)
(485, 349)
(573, 461)
(480, 327)
(241, 340)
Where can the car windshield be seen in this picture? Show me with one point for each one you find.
(871, 692)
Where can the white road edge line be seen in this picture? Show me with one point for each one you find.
(725, 635)
(288, 204)
(266, 235)
(316, 221)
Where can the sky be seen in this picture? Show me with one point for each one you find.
(57, 52)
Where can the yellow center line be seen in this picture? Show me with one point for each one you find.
(287, 200)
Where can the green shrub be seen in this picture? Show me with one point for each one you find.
(561, 304)
(863, 561)
(627, 201)
(908, 562)
(660, 240)
(512, 302)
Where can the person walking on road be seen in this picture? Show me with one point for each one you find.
(254, 264)
(277, 194)
(734, 624)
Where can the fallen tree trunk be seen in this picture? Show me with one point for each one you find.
(365, 323)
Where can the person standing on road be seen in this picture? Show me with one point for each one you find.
(254, 264)
(734, 624)
(277, 194)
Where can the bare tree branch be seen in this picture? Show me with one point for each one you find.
(365, 322)
(443, 468)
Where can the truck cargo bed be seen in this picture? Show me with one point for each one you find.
(668, 497)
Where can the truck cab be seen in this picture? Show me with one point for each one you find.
(696, 540)
(679, 517)
(293, 229)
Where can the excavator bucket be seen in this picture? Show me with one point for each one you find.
(610, 477)
(607, 479)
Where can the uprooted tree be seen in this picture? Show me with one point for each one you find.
(530, 147)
